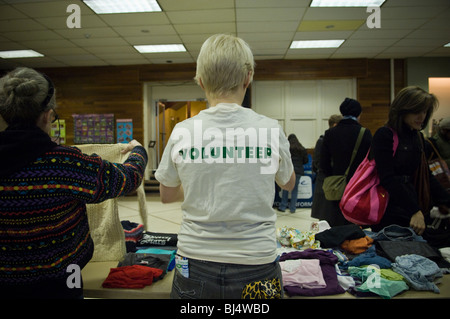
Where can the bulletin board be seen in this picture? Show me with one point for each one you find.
(93, 128)
(124, 130)
(58, 131)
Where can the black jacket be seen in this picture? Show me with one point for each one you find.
(299, 158)
(397, 175)
(338, 145)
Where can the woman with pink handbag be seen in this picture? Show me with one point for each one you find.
(410, 198)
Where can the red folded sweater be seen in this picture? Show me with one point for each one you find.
(135, 276)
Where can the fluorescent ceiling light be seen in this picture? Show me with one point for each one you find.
(19, 54)
(158, 48)
(122, 6)
(346, 3)
(447, 45)
(314, 44)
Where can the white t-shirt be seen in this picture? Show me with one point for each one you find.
(227, 158)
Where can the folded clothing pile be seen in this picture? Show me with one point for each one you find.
(148, 259)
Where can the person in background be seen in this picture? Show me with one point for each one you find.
(337, 149)
(409, 113)
(299, 157)
(320, 204)
(227, 239)
(441, 140)
(44, 189)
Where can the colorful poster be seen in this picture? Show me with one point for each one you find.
(93, 128)
(124, 130)
(58, 132)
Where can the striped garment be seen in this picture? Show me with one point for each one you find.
(43, 222)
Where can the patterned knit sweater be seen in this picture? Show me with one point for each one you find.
(43, 222)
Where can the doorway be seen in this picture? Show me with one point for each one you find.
(440, 87)
(170, 113)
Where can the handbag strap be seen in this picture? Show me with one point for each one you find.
(434, 149)
(355, 149)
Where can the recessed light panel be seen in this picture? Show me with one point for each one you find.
(19, 54)
(122, 6)
(159, 48)
(316, 44)
(346, 3)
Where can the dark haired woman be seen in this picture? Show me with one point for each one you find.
(44, 189)
(299, 156)
(408, 115)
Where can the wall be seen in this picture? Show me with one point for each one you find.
(420, 69)
(119, 90)
(302, 107)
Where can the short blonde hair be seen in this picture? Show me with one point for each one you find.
(223, 64)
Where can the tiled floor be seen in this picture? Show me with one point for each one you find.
(166, 218)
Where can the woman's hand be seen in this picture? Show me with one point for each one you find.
(130, 146)
(417, 223)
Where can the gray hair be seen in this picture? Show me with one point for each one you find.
(22, 92)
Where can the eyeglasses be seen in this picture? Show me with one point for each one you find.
(51, 91)
(55, 116)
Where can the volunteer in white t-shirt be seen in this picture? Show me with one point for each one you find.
(223, 164)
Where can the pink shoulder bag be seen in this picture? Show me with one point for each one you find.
(364, 200)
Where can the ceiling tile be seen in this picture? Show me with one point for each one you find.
(269, 26)
(266, 36)
(87, 33)
(57, 23)
(63, 51)
(145, 30)
(36, 35)
(205, 16)
(336, 14)
(9, 12)
(113, 41)
(177, 5)
(37, 45)
(358, 43)
(55, 8)
(127, 19)
(380, 34)
(201, 28)
(330, 25)
(157, 39)
(270, 14)
(319, 35)
(163, 60)
(109, 49)
(422, 12)
(20, 25)
(405, 24)
(413, 3)
(272, 3)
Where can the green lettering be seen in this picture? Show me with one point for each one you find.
(194, 153)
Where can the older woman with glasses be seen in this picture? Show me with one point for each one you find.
(44, 189)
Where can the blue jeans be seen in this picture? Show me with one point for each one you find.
(294, 194)
(211, 280)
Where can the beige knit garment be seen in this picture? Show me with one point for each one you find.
(104, 222)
